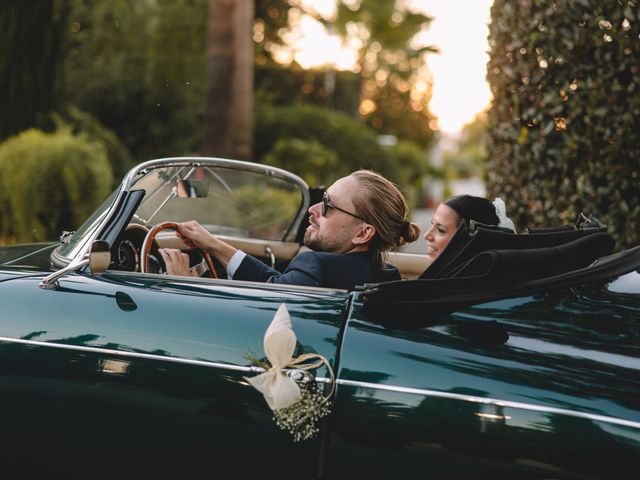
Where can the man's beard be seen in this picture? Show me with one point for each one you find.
(313, 242)
(324, 242)
(315, 245)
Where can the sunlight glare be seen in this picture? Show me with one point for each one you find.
(315, 47)
(459, 29)
(325, 8)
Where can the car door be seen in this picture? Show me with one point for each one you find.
(542, 386)
(132, 374)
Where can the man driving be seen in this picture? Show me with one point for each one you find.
(362, 216)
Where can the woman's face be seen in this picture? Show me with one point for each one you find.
(443, 226)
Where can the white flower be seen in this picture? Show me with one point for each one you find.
(301, 419)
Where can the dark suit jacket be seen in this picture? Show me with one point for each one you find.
(320, 269)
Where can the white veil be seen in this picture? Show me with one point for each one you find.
(501, 212)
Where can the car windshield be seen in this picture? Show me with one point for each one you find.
(74, 240)
(225, 200)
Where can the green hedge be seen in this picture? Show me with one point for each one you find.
(564, 126)
(309, 159)
(354, 144)
(49, 182)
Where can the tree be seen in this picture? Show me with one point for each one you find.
(270, 17)
(394, 93)
(389, 87)
(30, 41)
(139, 68)
(229, 104)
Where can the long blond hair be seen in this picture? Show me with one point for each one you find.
(382, 205)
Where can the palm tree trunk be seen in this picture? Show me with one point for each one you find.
(229, 102)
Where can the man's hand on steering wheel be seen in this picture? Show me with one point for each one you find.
(177, 262)
(174, 259)
(195, 235)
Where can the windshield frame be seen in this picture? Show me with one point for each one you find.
(103, 219)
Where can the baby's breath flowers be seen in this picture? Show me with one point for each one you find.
(301, 419)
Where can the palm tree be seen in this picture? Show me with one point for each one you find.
(389, 64)
(229, 101)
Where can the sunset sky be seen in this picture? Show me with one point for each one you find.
(460, 30)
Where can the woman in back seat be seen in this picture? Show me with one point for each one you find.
(456, 209)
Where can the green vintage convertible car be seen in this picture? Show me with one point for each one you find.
(512, 356)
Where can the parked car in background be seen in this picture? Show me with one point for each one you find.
(515, 358)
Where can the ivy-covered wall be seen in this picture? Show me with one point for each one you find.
(564, 126)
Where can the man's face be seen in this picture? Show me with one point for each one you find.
(336, 231)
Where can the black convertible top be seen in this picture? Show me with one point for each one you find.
(469, 242)
(515, 265)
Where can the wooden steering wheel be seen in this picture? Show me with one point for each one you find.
(148, 242)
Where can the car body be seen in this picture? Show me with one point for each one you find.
(134, 374)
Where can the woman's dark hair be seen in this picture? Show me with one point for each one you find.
(469, 207)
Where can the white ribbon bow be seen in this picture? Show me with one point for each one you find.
(278, 389)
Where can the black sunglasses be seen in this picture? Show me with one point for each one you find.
(326, 205)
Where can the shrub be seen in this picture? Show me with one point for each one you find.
(564, 126)
(354, 144)
(309, 159)
(85, 123)
(49, 182)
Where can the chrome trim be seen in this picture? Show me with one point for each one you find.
(349, 383)
(146, 356)
(486, 401)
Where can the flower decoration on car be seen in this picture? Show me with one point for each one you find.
(292, 393)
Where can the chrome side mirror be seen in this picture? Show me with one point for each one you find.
(98, 259)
